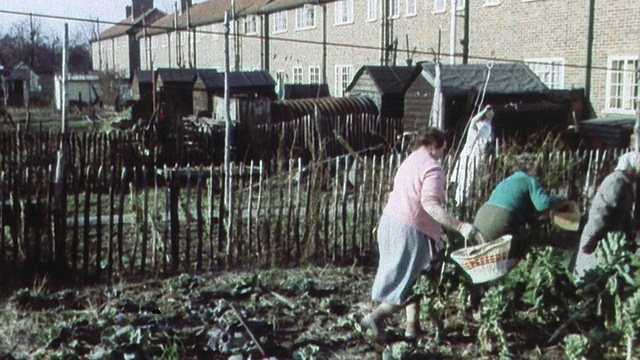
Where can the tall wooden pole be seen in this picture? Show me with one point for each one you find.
(227, 143)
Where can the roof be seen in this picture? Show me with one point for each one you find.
(504, 78)
(285, 110)
(609, 132)
(172, 75)
(213, 11)
(388, 79)
(303, 91)
(21, 71)
(237, 79)
(143, 76)
(130, 24)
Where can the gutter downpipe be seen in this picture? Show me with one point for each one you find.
(452, 35)
(324, 43)
(587, 82)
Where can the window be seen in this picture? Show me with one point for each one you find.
(280, 22)
(549, 70)
(250, 25)
(344, 12)
(306, 17)
(460, 4)
(343, 77)
(439, 6)
(491, 2)
(394, 9)
(297, 75)
(622, 84)
(314, 75)
(372, 10)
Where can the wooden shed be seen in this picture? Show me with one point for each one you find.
(142, 94)
(175, 90)
(385, 85)
(523, 104)
(608, 132)
(21, 84)
(251, 93)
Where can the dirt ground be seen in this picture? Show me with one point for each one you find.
(310, 313)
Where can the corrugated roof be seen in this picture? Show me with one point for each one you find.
(505, 78)
(388, 79)
(131, 25)
(286, 110)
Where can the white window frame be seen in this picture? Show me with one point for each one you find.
(251, 25)
(344, 12)
(549, 70)
(372, 10)
(281, 78)
(306, 17)
(344, 73)
(412, 7)
(626, 84)
(439, 6)
(280, 22)
(491, 2)
(460, 4)
(394, 9)
(314, 74)
(298, 75)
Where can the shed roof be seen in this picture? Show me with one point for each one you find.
(303, 91)
(177, 76)
(610, 132)
(388, 79)
(130, 24)
(504, 78)
(214, 80)
(143, 76)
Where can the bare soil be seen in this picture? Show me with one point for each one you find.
(310, 313)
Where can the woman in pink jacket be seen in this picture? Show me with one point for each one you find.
(409, 233)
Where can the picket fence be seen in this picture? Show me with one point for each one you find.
(115, 221)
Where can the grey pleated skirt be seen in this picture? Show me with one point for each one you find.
(404, 253)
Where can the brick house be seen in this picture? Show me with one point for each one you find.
(116, 49)
(300, 41)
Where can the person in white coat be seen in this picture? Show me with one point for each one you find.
(478, 137)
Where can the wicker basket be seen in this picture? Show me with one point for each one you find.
(487, 261)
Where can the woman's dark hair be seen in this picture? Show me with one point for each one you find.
(431, 136)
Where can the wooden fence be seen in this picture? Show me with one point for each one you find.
(115, 221)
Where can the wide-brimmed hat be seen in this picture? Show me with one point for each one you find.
(566, 216)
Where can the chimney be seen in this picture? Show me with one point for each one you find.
(184, 5)
(141, 6)
(127, 11)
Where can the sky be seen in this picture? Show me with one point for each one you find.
(105, 10)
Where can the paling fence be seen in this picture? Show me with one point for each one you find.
(115, 221)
